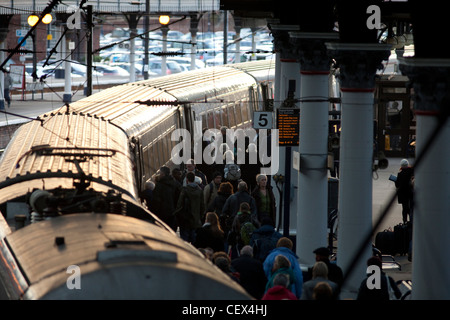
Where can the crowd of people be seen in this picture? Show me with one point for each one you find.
(234, 227)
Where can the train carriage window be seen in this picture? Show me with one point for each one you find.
(237, 108)
(244, 109)
(217, 120)
(204, 120)
(211, 120)
(231, 118)
(224, 114)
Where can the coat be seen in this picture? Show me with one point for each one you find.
(257, 196)
(404, 184)
(190, 207)
(165, 196)
(293, 259)
(233, 203)
(308, 288)
(252, 276)
(208, 238)
(279, 293)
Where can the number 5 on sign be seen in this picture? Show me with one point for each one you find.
(262, 120)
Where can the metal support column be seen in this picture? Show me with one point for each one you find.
(67, 96)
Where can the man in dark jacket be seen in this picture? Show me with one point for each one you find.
(231, 206)
(335, 273)
(190, 208)
(252, 276)
(165, 195)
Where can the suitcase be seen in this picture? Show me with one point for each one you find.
(402, 237)
(385, 242)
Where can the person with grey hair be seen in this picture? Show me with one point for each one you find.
(252, 276)
(264, 198)
(319, 274)
(279, 291)
(232, 205)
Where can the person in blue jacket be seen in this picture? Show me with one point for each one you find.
(284, 247)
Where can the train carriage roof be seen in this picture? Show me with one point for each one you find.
(120, 105)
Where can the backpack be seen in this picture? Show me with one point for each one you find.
(262, 245)
(232, 172)
(246, 232)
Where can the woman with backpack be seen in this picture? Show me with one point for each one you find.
(241, 230)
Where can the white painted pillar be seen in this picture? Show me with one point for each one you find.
(313, 176)
(358, 64)
(431, 216)
(287, 69)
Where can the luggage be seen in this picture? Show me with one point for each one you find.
(402, 237)
(385, 242)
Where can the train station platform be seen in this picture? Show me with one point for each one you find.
(383, 188)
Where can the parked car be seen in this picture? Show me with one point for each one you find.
(107, 70)
(172, 66)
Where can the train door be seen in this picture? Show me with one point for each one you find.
(136, 149)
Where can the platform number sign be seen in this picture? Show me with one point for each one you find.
(262, 120)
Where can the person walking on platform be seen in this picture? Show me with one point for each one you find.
(211, 190)
(191, 167)
(8, 84)
(405, 189)
(279, 291)
(284, 247)
(264, 198)
(210, 234)
(165, 196)
(216, 205)
(190, 208)
(232, 205)
(264, 239)
(319, 274)
(252, 276)
(335, 273)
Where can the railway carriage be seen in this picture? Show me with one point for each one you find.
(70, 184)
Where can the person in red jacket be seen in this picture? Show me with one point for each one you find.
(279, 291)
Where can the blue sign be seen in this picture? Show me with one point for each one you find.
(20, 39)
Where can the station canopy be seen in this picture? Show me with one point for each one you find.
(111, 6)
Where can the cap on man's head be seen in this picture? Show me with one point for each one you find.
(322, 251)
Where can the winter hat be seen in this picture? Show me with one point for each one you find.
(404, 163)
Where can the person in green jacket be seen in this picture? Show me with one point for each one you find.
(190, 208)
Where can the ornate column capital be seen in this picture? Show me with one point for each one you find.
(430, 79)
(312, 52)
(358, 63)
(282, 42)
